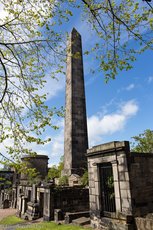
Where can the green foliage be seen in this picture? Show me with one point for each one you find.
(63, 180)
(143, 143)
(8, 182)
(5, 183)
(34, 179)
(110, 182)
(32, 175)
(11, 220)
(84, 179)
(53, 172)
(27, 50)
(110, 185)
(61, 164)
(2, 179)
(114, 25)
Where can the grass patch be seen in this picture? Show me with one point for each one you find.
(9, 220)
(51, 226)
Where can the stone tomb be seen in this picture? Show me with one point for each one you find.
(43, 199)
(47, 199)
(120, 185)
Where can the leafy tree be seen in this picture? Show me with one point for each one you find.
(61, 164)
(53, 172)
(143, 143)
(28, 50)
(116, 24)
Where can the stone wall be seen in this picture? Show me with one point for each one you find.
(67, 199)
(48, 198)
(141, 183)
(144, 223)
(71, 199)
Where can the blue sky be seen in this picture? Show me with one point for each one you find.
(116, 111)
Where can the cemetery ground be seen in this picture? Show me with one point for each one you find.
(11, 222)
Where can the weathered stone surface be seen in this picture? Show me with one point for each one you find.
(74, 180)
(81, 221)
(143, 223)
(69, 217)
(141, 183)
(75, 136)
(111, 146)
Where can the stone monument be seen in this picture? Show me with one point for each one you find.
(75, 136)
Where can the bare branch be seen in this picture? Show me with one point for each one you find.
(6, 80)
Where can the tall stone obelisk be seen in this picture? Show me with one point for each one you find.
(75, 136)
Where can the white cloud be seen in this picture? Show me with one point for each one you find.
(52, 87)
(129, 109)
(150, 79)
(57, 144)
(127, 88)
(130, 87)
(98, 126)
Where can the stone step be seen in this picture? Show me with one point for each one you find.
(81, 221)
(69, 217)
(115, 224)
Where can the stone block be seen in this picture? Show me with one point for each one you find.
(91, 176)
(92, 198)
(116, 189)
(126, 203)
(125, 193)
(124, 185)
(92, 191)
(58, 215)
(97, 192)
(97, 202)
(91, 183)
(115, 172)
(127, 176)
(122, 161)
(118, 204)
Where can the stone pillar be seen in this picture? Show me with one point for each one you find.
(24, 205)
(116, 186)
(75, 137)
(14, 199)
(1, 199)
(19, 205)
(48, 211)
(34, 193)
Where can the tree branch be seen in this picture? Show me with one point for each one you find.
(6, 80)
